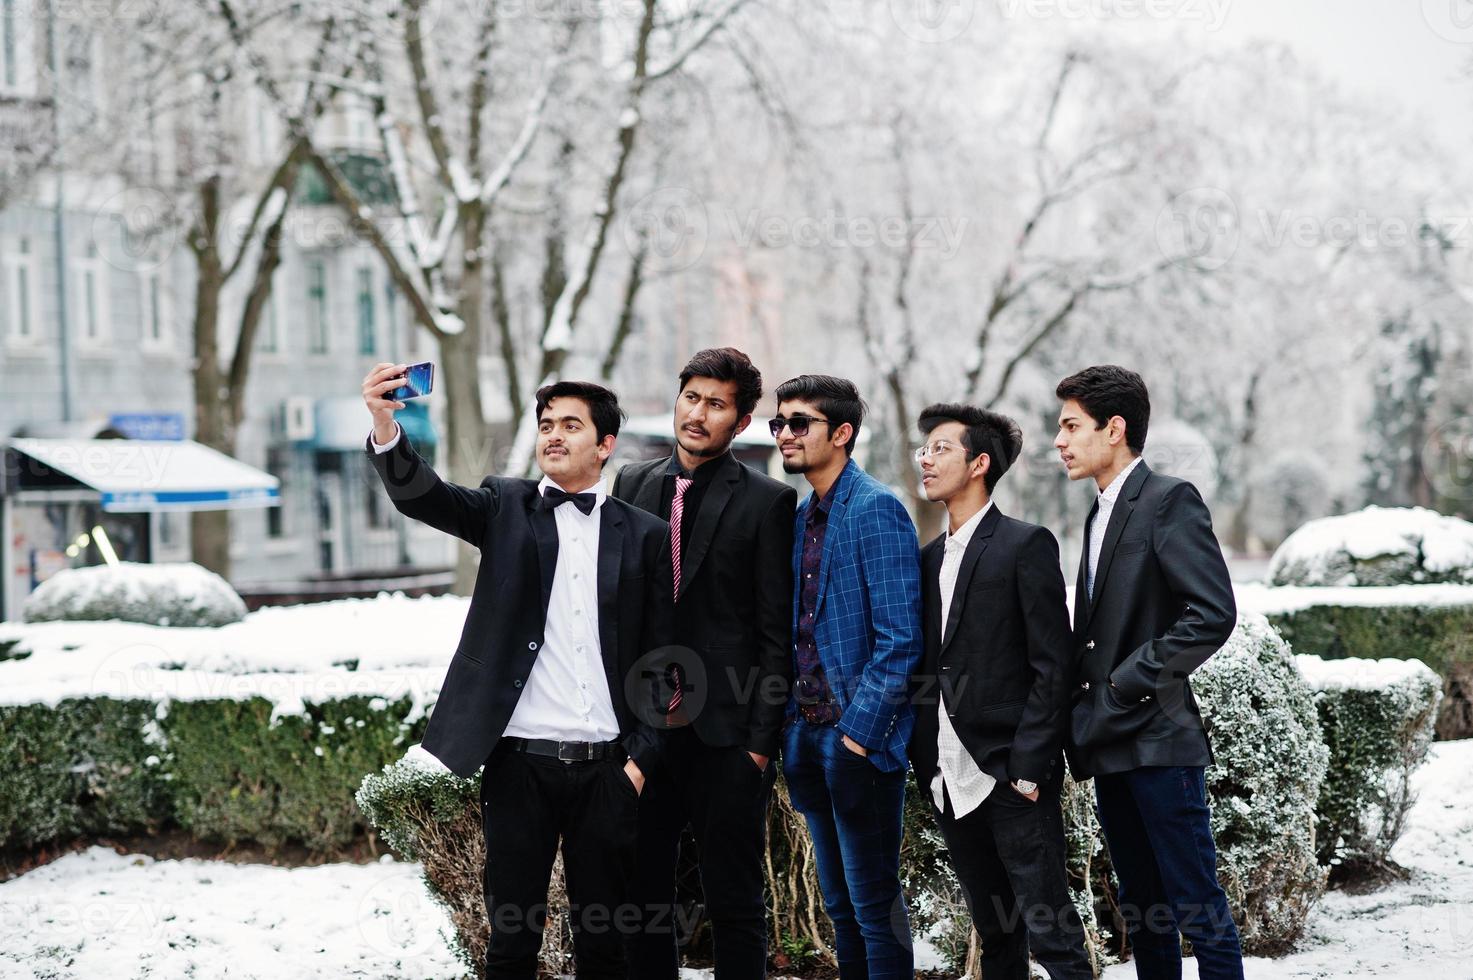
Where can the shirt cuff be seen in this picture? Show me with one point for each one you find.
(388, 445)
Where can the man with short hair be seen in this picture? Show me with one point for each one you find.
(992, 700)
(732, 545)
(572, 590)
(1153, 602)
(857, 641)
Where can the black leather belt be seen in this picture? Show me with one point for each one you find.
(566, 751)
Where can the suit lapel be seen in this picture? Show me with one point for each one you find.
(1119, 517)
(830, 534)
(931, 560)
(610, 560)
(970, 557)
(1081, 589)
(544, 529)
(718, 495)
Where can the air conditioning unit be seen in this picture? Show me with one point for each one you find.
(299, 423)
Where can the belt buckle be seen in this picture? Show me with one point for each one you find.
(565, 759)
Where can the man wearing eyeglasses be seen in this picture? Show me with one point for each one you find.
(857, 641)
(993, 697)
(732, 541)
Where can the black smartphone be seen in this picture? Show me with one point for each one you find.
(419, 380)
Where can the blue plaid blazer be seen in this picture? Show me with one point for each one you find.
(868, 619)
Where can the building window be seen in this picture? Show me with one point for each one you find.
(17, 20)
(20, 280)
(376, 507)
(9, 43)
(276, 465)
(268, 331)
(93, 283)
(366, 326)
(317, 324)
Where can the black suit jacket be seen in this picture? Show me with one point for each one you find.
(735, 607)
(1003, 669)
(504, 628)
(1163, 604)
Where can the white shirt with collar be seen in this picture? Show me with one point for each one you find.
(566, 696)
(957, 772)
(1101, 521)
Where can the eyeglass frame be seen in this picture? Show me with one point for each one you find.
(778, 423)
(922, 452)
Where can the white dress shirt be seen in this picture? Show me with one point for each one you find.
(566, 696)
(1101, 522)
(957, 772)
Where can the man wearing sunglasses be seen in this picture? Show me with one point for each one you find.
(993, 698)
(857, 641)
(732, 542)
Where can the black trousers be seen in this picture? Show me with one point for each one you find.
(722, 795)
(528, 804)
(1009, 856)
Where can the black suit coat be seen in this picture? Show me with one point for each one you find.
(1163, 604)
(1003, 668)
(735, 608)
(505, 626)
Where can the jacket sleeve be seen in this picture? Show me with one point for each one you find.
(1040, 734)
(890, 564)
(773, 589)
(1192, 563)
(417, 492)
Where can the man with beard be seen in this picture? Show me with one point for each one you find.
(857, 641)
(731, 533)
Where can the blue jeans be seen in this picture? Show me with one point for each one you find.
(1159, 832)
(854, 817)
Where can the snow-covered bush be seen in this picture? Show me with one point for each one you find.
(1377, 719)
(183, 594)
(1430, 623)
(428, 814)
(1270, 765)
(1376, 546)
(221, 769)
(83, 767)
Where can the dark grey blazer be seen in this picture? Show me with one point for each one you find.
(1163, 604)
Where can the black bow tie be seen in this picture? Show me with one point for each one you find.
(556, 495)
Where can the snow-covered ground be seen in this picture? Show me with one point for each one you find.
(99, 914)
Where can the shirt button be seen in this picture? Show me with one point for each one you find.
(532, 645)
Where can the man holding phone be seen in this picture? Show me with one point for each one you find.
(573, 589)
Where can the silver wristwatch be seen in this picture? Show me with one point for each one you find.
(1025, 786)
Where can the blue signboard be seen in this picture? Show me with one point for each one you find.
(148, 425)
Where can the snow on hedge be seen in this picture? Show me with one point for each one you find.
(1376, 546)
(389, 646)
(182, 594)
(1362, 674)
(1270, 600)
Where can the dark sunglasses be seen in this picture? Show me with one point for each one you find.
(798, 423)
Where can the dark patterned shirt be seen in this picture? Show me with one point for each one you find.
(810, 687)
